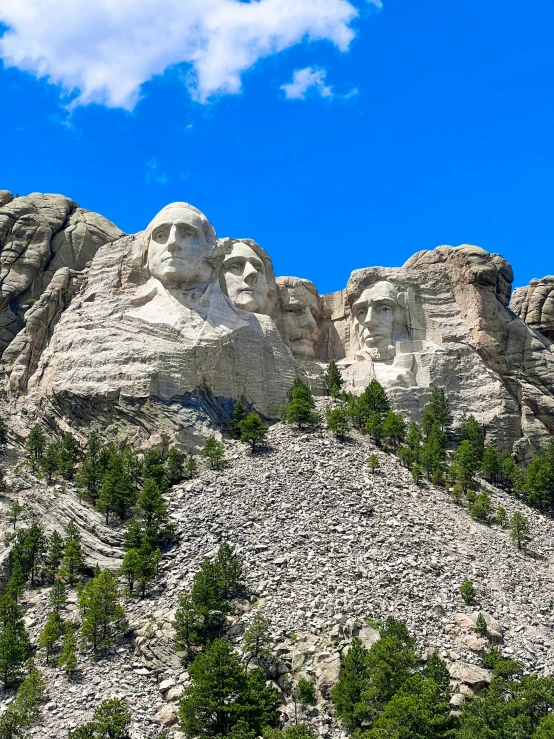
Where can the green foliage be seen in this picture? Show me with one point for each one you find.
(417, 473)
(229, 566)
(58, 595)
(413, 440)
(73, 555)
(146, 566)
(221, 694)
(174, 466)
(239, 414)
(481, 625)
(433, 452)
(188, 625)
(458, 493)
(304, 693)
(466, 464)
(102, 617)
(49, 464)
(253, 431)
(491, 465)
(436, 413)
(539, 480)
(394, 429)
(501, 516)
(15, 513)
(337, 421)
(36, 443)
(373, 463)
(153, 468)
(14, 642)
(481, 508)
(50, 633)
(117, 494)
(111, 720)
(372, 402)
(519, 529)
(23, 710)
(17, 581)
(374, 427)
(405, 455)
(35, 545)
(332, 379)
(54, 555)
(257, 642)
(68, 655)
(467, 591)
(471, 430)
(151, 513)
(214, 452)
(191, 467)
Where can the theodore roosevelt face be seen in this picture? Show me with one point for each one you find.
(179, 247)
(374, 313)
(245, 278)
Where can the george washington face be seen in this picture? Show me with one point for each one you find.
(180, 246)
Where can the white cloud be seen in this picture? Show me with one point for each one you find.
(104, 50)
(307, 79)
(154, 173)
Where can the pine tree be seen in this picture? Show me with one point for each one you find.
(467, 463)
(257, 643)
(519, 529)
(146, 571)
(132, 466)
(337, 422)
(374, 427)
(417, 473)
(174, 466)
(253, 431)
(151, 513)
(3, 432)
(35, 544)
(68, 655)
(102, 617)
(239, 414)
(433, 452)
(490, 464)
(353, 682)
(54, 555)
(481, 508)
(15, 513)
(332, 379)
(301, 406)
(373, 463)
(191, 467)
(471, 430)
(49, 464)
(14, 642)
(214, 452)
(153, 468)
(133, 535)
(229, 565)
(36, 443)
(413, 440)
(50, 634)
(481, 625)
(304, 694)
(73, 555)
(117, 494)
(394, 428)
(436, 412)
(17, 581)
(221, 694)
(22, 711)
(129, 567)
(58, 595)
(188, 625)
(467, 591)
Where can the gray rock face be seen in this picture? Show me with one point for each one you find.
(534, 304)
(39, 234)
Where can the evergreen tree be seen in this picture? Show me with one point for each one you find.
(239, 414)
(147, 568)
(417, 473)
(133, 535)
(304, 694)
(374, 427)
(467, 464)
(151, 513)
(481, 625)
(117, 494)
(102, 617)
(467, 591)
(253, 431)
(191, 467)
(14, 642)
(35, 544)
(405, 455)
(188, 625)
(73, 555)
(491, 465)
(111, 720)
(15, 513)
(132, 466)
(36, 443)
(68, 655)
(50, 634)
(352, 685)
(22, 711)
(91, 472)
(501, 516)
(413, 440)
(519, 529)
(510, 474)
(174, 466)
(229, 565)
(372, 402)
(373, 463)
(49, 464)
(214, 451)
(129, 567)
(394, 429)
(337, 421)
(58, 595)
(257, 643)
(539, 482)
(481, 508)
(332, 379)
(221, 694)
(153, 468)
(3, 432)
(17, 581)
(54, 555)
(436, 413)
(433, 452)
(471, 430)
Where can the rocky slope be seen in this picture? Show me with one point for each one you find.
(325, 545)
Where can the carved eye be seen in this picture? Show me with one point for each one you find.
(160, 236)
(235, 269)
(386, 309)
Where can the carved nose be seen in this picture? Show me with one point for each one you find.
(250, 275)
(308, 321)
(371, 317)
(172, 244)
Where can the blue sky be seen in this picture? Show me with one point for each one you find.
(425, 123)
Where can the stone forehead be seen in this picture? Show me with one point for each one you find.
(186, 212)
(378, 291)
(240, 248)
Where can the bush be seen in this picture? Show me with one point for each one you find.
(467, 591)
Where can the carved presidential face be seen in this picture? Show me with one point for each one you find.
(300, 310)
(373, 314)
(180, 246)
(245, 278)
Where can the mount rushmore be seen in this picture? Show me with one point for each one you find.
(155, 335)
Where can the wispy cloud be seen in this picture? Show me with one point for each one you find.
(155, 174)
(103, 51)
(307, 79)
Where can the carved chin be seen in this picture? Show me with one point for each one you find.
(248, 302)
(302, 348)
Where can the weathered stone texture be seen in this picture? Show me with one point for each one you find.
(534, 304)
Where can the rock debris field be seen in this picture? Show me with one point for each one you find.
(325, 545)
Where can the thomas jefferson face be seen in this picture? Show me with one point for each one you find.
(300, 309)
(374, 314)
(179, 247)
(245, 278)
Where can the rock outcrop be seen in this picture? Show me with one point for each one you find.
(534, 304)
(39, 234)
